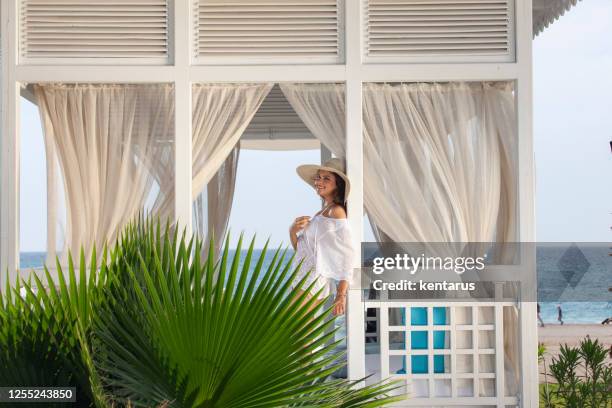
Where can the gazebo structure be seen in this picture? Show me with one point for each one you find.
(335, 74)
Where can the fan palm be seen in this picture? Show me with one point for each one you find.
(190, 332)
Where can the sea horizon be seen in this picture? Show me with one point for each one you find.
(574, 312)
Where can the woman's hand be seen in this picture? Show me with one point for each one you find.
(299, 224)
(339, 304)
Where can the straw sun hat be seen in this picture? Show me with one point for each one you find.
(308, 171)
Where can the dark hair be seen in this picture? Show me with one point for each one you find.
(340, 190)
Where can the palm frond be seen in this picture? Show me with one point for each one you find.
(227, 332)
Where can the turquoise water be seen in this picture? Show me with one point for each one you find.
(573, 311)
(29, 260)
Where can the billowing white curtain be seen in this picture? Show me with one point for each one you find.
(104, 137)
(212, 208)
(221, 113)
(441, 155)
(321, 108)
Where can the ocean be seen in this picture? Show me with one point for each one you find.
(576, 308)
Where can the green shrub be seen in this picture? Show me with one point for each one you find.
(583, 378)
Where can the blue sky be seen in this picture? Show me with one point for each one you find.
(572, 88)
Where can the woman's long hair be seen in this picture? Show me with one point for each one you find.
(340, 190)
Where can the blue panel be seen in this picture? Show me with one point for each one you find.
(438, 364)
(418, 340)
(418, 316)
(439, 339)
(439, 316)
(420, 365)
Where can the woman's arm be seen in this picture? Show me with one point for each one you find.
(293, 238)
(299, 224)
(340, 301)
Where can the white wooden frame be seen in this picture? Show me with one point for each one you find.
(354, 73)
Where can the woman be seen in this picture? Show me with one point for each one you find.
(323, 242)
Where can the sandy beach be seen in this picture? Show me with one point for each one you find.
(554, 334)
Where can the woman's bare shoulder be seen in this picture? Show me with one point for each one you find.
(337, 212)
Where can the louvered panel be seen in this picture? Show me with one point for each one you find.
(276, 118)
(94, 29)
(439, 30)
(277, 31)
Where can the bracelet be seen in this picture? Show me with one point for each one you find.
(340, 294)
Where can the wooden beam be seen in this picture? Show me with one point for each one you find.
(354, 161)
(528, 333)
(9, 147)
(183, 119)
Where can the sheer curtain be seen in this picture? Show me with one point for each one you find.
(447, 151)
(212, 208)
(221, 113)
(321, 108)
(104, 137)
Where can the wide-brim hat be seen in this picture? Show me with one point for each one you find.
(336, 165)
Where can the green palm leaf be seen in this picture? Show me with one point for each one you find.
(174, 328)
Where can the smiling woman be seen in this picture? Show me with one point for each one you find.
(323, 243)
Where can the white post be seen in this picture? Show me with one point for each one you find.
(526, 184)
(183, 122)
(354, 158)
(9, 148)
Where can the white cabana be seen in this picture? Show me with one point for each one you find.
(381, 74)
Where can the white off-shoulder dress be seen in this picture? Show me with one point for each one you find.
(325, 248)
